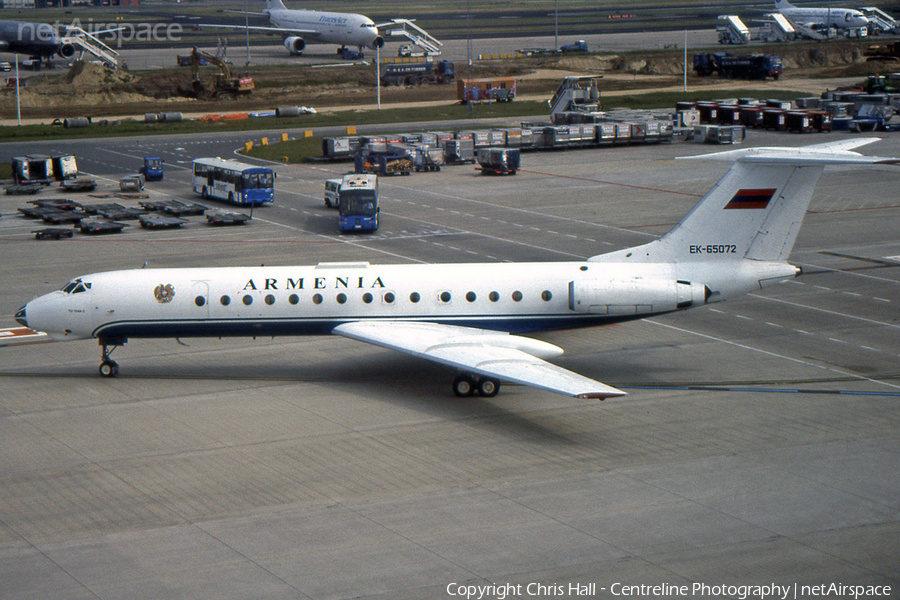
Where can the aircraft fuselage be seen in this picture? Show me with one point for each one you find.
(333, 28)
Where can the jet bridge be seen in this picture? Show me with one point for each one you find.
(406, 28)
(85, 42)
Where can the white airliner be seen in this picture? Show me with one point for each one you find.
(465, 316)
(839, 18)
(297, 26)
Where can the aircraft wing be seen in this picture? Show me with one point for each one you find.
(506, 357)
(307, 32)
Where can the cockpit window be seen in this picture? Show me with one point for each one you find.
(76, 287)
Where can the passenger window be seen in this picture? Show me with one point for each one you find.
(270, 299)
(493, 296)
(517, 296)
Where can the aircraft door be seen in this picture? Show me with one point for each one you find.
(200, 299)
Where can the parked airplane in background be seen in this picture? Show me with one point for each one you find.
(839, 18)
(298, 26)
(37, 40)
(735, 240)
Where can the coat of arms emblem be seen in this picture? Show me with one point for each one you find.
(164, 293)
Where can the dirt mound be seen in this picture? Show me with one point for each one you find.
(87, 76)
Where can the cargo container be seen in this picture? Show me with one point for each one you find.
(499, 161)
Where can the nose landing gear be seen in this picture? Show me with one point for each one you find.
(468, 385)
(109, 367)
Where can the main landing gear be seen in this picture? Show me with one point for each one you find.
(469, 385)
(109, 367)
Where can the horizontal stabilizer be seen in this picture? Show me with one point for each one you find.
(828, 153)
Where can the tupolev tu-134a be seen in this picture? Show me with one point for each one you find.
(469, 317)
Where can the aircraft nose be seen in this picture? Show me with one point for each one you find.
(20, 316)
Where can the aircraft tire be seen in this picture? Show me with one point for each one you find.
(464, 386)
(109, 368)
(488, 387)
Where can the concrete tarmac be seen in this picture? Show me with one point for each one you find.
(759, 443)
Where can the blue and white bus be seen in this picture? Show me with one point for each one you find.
(236, 182)
(358, 203)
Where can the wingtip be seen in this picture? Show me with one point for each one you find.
(600, 395)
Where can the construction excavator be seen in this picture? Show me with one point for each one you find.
(225, 82)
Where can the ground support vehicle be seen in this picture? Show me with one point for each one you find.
(160, 222)
(226, 218)
(579, 46)
(499, 161)
(358, 204)
(152, 169)
(79, 184)
(332, 192)
(91, 227)
(442, 71)
(53, 233)
(384, 163)
(755, 66)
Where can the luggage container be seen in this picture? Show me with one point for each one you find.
(428, 158)
(719, 134)
(729, 114)
(513, 137)
(480, 137)
(774, 118)
(623, 132)
(584, 134)
(496, 137)
(459, 150)
(499, 161)
(709, 112)
(822, 120)
(638, 131)
(606, 133)
(555, 136)
(798, 121)
(751, 116)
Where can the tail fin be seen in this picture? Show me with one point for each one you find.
(275, 5)
(754, 211)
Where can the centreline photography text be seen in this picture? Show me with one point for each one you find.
(790, 591)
